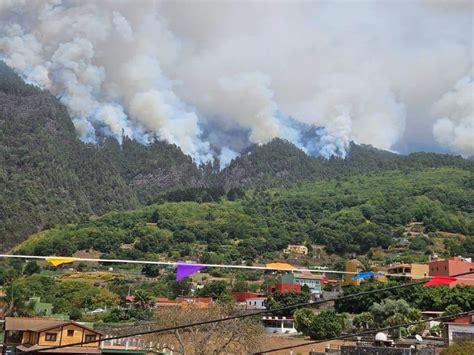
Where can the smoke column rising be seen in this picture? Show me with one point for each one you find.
(213, 77)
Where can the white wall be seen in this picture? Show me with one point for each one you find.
(459, 328)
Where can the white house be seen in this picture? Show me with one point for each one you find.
(281, 325)
(255, 303)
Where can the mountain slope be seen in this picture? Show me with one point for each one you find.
(350, 215)
(48, 176)
(280, 161)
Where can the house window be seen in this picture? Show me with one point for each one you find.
(70, 332)
(50, 336)
(90, 337)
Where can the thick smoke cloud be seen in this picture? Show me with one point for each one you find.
(213, 77)
(455, 128)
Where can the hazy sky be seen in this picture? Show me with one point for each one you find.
(215, 76)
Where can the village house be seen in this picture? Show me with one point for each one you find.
(281, 325)
(412, 271)
(296, 249)
(453, 266)
(38, 334)
(460, 329)
(353, 267)
(313, 282)
(255, 302)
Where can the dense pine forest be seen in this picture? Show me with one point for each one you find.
(48, 177)
(365, 213)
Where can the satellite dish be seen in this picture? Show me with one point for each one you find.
(380, 337)
(419, 338)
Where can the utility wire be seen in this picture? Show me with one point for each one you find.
(241, 316)
(72, 259)
(367, 332)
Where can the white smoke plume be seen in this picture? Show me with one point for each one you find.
(213, 76)
(455, 127)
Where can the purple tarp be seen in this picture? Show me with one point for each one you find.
(184, 270)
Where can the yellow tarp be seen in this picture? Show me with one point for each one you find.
(56, 261)
(280, 266)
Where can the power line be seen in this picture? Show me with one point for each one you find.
(441, 318)
(241, 316)
(177, 264)
(170, 263)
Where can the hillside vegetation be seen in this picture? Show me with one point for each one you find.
(49, 177)
(348, 215)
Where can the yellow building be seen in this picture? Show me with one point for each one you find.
(296, 249)
(38, 334)
(412, 271)
(354, 266)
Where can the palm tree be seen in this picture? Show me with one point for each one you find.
(143, 299)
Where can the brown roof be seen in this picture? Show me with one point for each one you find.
(38, 324)
(308, 275)
(69, 349)
(396, 266)
(33, 324)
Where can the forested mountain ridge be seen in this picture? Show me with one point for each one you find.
(348, 215)
(280, 161)
(48, 176)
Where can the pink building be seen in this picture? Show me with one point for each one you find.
(453, 266)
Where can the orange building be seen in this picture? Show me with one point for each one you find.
(453, 266)
(412, 271)
(38, 334)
